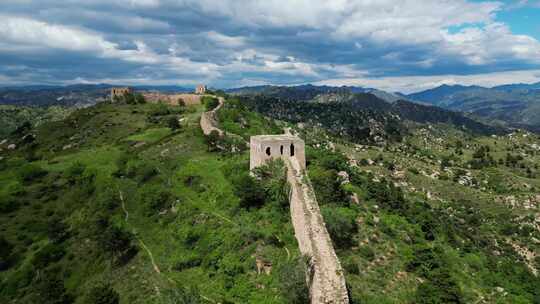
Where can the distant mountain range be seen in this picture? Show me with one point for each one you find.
(363, 117)
(515, 104)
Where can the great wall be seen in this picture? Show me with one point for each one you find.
(209, 121)
(325, 276)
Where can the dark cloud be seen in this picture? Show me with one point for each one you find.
(233, 43)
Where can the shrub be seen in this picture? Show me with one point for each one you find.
(115, 240)
(102, 294)
(144, 172)
(210, 103)
(440, 288)
(212, 140)
(187, 262)
(8, 203)
(159, 110)
(50, 253)
(108, 198)
(50, 288)
(173, 123)
(139, 98)
(181, 102)
(366, 252)
(57, 231)
(293, 286)
(327, 185)
(249, 190)
(75, 171)
(5, 252)
(31, 172)
(273, 178)
(351, 266)
(154, 198)
(341, 224)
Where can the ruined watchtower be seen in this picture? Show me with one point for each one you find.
(200, 89)
(119, 92)
(265, 147)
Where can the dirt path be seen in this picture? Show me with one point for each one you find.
(156, 268)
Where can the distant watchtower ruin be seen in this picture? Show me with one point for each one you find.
(119, 92)
(200, 89)
(265, 147)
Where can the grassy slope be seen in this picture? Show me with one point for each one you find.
(377, 262)
(204, 228)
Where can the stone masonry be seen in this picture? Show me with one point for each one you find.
(265, 147)
(172, 99)
(119, 92)
(326, 280)
(209, 121)
(200, 89)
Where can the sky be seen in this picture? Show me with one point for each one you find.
(393, 45)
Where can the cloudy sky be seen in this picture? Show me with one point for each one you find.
(396, 45)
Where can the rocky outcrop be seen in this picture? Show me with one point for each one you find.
(326, 278)
(209, 120)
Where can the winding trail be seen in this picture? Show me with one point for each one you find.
(155, 266)
(209, 120)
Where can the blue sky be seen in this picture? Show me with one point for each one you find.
(395, 45)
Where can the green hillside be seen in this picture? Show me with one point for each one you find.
(110, 202)
(123, 203)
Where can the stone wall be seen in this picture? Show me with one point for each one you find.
(326, 279)
(172, 99)
(120, 92)
(209, 120)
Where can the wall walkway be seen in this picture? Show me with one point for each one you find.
(326, 278)
(209, 121)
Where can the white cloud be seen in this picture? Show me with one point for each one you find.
(239, 39)
(224, 40)
(40, 34)
(489, 44)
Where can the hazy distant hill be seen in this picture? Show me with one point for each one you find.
(361, 117)
(516, 104)
(79, 95)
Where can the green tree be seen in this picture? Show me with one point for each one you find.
(209, 102)
(341, 224)
(57, 231)
(181, 102)
(173, 123)
(139, 99)
(212, 140)
(250, 191)
(31, 172)
(5, 252)
(293, 286)
(102, 294)
(154, 198)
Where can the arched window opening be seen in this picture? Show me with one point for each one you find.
(268, 151)
(281, 150)
(292, 150)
